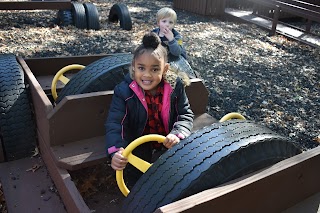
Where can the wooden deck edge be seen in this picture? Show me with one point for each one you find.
(275, 189)
(68, 192)
(36, 5)
(264, 23)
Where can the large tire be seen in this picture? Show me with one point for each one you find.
(92, 15)
(79, 15)
(65, 18)
(17, 127)
(121, 12)
(209, 157)
(103, 74)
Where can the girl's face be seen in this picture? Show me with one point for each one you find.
(166, 23)
(149, 70)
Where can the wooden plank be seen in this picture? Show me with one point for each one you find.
(302, 12)
(80, 154)
(202, 120)
(41, 103)
(198, 96)
(35, 5)
(45, 82)
(215, 7)
(68, 192)
(177, 4)
(86, 113)
(28, 191)
(271, 190)
(302, 4)
(51, 65)
(203, 6)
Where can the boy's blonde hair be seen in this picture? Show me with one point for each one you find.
(165, 13)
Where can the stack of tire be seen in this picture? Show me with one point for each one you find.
(86, 16)
(17, 126)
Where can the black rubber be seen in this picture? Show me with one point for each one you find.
(17, 126)
(65, 18)
(79, 15)
(103, 74)
(209, 157)
(92, 16)
(120, 12)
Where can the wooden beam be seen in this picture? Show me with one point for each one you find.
(35, 5)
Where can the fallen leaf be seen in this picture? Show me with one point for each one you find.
(317, 139)
(34, 168)
(35, 152)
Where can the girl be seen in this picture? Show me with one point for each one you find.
(151, 99)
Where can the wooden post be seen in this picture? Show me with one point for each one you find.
(308, 27)
(275, 20)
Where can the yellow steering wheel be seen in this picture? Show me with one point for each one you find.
(232, 115)
(59, 76)
(140, 164)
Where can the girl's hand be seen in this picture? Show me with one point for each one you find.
(168, 34)
(170, 141)
(119, 162)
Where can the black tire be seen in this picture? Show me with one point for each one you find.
(92, 16)
(17, 127)
(209, 157)
(65, 18)
(79, 15)
(121, 12)
(103, 74)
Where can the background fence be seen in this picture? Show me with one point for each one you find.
(202, 7)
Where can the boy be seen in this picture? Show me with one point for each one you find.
(172, 40)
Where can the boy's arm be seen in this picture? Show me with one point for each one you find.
(175, 46)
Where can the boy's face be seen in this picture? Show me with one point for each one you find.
(166, 23)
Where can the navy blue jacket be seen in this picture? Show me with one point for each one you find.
(127, 116)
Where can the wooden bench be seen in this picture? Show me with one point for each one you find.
(308, 9)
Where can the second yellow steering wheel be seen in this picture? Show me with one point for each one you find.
(59, 76)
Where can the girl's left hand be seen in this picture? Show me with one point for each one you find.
(171, 140)
(168, 34)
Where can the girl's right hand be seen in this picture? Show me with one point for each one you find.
(119, 162)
